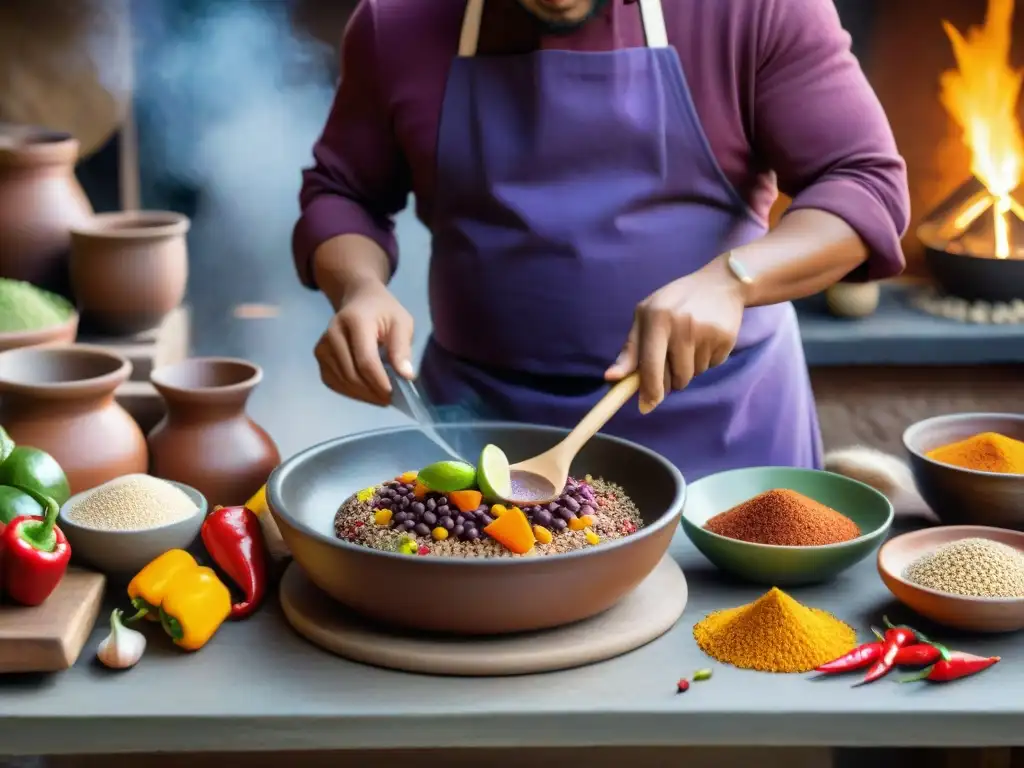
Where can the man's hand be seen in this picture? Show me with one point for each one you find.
(348, 352)
(682, 330)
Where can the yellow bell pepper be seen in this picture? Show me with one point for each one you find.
(149, 586)
(194, 606)
(258, 502)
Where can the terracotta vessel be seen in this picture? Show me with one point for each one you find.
(61, 399)
(40, 201)
(128, 270)
(206, 439)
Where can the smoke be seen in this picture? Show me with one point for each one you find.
(230, 99)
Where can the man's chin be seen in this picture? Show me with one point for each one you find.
(558, 17)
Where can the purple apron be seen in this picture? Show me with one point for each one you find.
(570, 186)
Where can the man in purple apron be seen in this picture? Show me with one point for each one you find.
(596, 175)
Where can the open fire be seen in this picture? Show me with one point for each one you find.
(982, 218)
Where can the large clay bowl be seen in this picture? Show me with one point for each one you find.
(965, 496)
(774, 565)
(469, 596)
(974, 614)
(63, 333)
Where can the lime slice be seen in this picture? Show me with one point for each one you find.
(448, 476)
(493, 475)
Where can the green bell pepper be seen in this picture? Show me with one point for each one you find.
(16, 503)
(32, 468)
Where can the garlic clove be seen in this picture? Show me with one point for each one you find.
(123, 647)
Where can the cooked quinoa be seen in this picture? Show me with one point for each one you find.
(611, 513)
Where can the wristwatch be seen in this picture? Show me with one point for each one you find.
(739, 271)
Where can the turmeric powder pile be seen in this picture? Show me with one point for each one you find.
(774, 634)
(987, 452)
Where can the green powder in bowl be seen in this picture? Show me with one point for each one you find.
(23, 307)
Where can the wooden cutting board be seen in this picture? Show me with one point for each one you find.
(50, 637)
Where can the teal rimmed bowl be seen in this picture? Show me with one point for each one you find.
(776, 565)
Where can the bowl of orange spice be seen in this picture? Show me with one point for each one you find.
(969, 467)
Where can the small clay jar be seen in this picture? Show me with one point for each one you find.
(128, 270)
(40, 201)
(206, 439)
(61, 399)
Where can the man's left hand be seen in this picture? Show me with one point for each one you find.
(682, 330)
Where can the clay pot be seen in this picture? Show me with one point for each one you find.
(40, 201)
(128, 270)
(61, 399)
(206, 440)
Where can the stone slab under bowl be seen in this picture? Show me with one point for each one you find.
(469, 595)
(961, 496)
(122, 554)
(773, 565)
(973, 614)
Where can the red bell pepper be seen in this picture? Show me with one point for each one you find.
(234, 539)
(35, 554)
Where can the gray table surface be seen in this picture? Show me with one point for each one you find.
(900, 334)
(258, 686)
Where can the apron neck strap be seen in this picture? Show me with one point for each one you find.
(652, 18)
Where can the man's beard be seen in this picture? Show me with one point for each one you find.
(566, 27)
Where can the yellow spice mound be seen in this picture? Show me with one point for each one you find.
(774, 634)
(987, 452)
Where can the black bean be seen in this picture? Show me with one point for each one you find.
(458, 530)
(383, 503)
(542, 517)
(400, 517)
(460, 519)
(566, 514)
(405, 502)
(428, 517)
(417, 508)
(442, 500)
(484, 509)
(559, 524)
(572, 504)
(443, 509)
(446, 522)
(408, 525)
(422, 530)
(484, 520)
(471, 534)
(431, 504)
(586, 509)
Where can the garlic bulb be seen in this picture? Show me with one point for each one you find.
(123, 647)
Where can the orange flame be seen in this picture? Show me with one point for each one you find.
(981, 95)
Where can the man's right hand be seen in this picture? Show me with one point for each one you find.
(349, 354)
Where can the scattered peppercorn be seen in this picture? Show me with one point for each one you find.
(702, 674)
(683, 685)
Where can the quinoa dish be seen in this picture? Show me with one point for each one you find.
(406, 515)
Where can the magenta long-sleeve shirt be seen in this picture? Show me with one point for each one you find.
(781, 98)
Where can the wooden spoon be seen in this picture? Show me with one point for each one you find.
(542, 478)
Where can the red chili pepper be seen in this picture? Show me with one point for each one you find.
(35, 554)
(234, 539)
(858, 658)
(895, 638)
(956, 666)
(917, 655)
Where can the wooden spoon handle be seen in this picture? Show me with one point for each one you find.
(599, 415)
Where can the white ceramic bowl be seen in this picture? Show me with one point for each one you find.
(124, 553)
